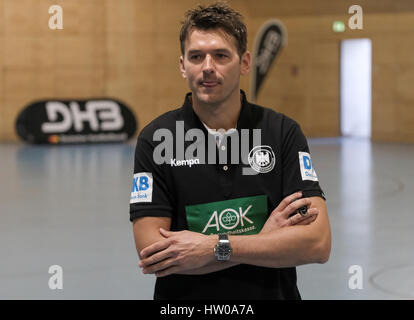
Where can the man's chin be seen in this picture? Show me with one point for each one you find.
(210, 98)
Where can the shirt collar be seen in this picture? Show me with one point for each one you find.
(191, 119)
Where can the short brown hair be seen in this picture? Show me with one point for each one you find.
(215, 16)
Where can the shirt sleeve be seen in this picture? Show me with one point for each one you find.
(299, 173)
(149, 194)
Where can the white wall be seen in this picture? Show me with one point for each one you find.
(355, 86)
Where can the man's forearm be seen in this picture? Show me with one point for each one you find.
(286, 247)
(211, 267)
(277, 245)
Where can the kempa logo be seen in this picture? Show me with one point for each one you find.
(228, 219)
(179, 163)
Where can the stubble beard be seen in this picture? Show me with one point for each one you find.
(215, 103)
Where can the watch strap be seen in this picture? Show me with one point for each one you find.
(223, 236)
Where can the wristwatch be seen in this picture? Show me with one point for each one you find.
(223, 250)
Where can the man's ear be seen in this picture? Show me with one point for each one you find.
(246, 61)
(182, 69)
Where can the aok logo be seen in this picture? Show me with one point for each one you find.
(228, 219)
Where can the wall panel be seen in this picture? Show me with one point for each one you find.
(129, 50)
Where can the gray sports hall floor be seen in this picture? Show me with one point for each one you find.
(68, 206)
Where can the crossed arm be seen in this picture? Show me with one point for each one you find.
(282, 242)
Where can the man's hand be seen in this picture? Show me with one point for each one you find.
(279, 217)
(179, 251)
(183, 251)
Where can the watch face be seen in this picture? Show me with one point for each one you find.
(223, 252)
(223, 249)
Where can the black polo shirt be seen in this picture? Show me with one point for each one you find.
(204, 188)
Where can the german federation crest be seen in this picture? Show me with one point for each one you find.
(262, 159)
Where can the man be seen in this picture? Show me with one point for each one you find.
(210, 228)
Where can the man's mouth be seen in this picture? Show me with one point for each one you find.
(209, 84)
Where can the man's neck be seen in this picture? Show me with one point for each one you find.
(220, 116)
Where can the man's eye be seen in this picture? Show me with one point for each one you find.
(195, 57)
(220, 55)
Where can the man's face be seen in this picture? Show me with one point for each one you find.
(212, 65)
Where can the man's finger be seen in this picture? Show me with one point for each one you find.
(286, 201)
(166, 233)
(157, 267)
(307, 221)
(298, 218)
(155, 258)
(155, 247)
(167, 271)
(311, 212)
(294, 206)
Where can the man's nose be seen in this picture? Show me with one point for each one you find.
(208, 66)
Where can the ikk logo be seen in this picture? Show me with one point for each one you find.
(236, 216)
(141, 187)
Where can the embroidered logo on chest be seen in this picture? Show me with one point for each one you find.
(262, 159)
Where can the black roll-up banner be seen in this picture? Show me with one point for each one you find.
(76, 121)
(271, 37)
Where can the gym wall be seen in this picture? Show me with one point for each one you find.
(129, 50)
